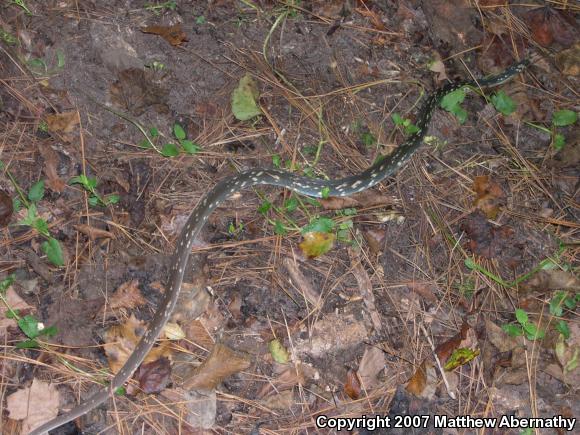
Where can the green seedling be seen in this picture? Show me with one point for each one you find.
(560, 300)
(368, 139)
(562, 118)
(28, 324)
(234, 230)
(7, 38)
(188, 146)
(200, 20)
(90, 185)
(452, 103)
(51, 247)
(38, 66)
(503, 103)
(523, 327)
(408, 127)
(156, 65)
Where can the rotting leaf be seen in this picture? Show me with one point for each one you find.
(352, 386)
(245, 99)
(490, 196)
(460, 356)
(371, 364)
(62, 122)
(316, 244)
(172, 34)
(568, 61)
(126, 296)
(154, 376)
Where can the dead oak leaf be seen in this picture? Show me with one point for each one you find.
(64, 122)
(172, 34)
(154, 376)
(120, 342)
(490, 196)
(127, 296)
(33, 405)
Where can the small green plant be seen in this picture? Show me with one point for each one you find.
(503, 103)
(408, 127)
(188, 146)
(200, 20)
(524, 327)
(40, 67)
(28, 324)
(90, 185)
(156, 65)
(452, 103)
(234, 230)
(560, 300)
(8, 38)
(368, 139)
(51, 247)
(562, 118)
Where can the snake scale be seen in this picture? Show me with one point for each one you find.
(382, 169)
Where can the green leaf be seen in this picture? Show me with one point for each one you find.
(245, 99)
(451, 102)
(512, 330)
(264, 207)
(532, 332)
(368, 139)
(60, 59)
(51, 331)
(397, 119)
(79, 179)
(564, 117)
(121, 391)
(319, 225)
(190, 147)
(112, 199)
(154, 132)
(53, 251)
(521, 316)
(91, 183)
(503, 103)
(36, 191)
(179, 132)
(571, 302)
(556, 303)
(169, 150)
(29, 326)
(41, 226)
(93, 201)
(16, 204)
(200, 20)
(562, 328)
(291, 204)
(279, 229)
(276, 160)
(7, 282)
(278, 351)
(558, 141)
(144, 144)
(325, 192)
(12, 314)
(27, 344)
(411, 129)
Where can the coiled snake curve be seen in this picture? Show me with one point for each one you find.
(303, 185)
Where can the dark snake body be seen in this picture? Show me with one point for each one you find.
(303, 185)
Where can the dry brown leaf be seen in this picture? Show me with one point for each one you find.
(62, 122)
(92, 232)
(120, 341)
(498, 337)
(126, 296)
(439, 68)
(445, 349)
(198, 334)
(554, 279)
(425, 290)
(352, 385)
(375, 239)
(490, 196)
(302, 283)
(6, 208)
(418, 384)
(371, 365)
(281, 401)
(568, 61)
(221, 363)
(50, 156)
(34, 405)
(172, 34)
(290, 377)
(373, 17)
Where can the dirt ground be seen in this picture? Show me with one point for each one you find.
(469, 253)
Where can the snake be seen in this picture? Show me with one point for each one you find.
(312, 187)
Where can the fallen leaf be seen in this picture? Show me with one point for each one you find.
(423, 383)
(302, 283)
(352, 386)
(460, 356)
(50, 156)
(439, 68)
(373, 17)
(33, 405)
(245, 99)
(126, 296)
(120, 342)
(568, 61)
(154, 376)
(550, 25)
(6, 208)
(445, 349)
(363, 200)
(62, 122)
(278, 351)
(173, 331)
(280, 401)
(221, 363)
(136, 91)
(371, 365)
(172, 34)
(316, 243)
(290, 377)
(552, 279)
(489, 196)
(92, 232)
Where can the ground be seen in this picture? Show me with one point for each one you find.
(470, 249)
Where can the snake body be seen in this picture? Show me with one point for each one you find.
(376, 173)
